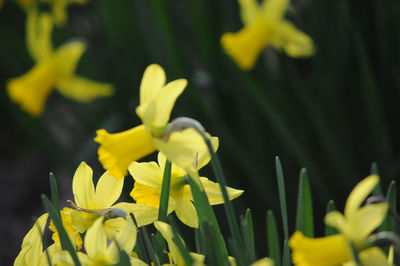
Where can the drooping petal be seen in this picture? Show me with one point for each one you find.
(214, 193)
(182, 149)
(245, 46)
(294, 42)
(96, 240)
(324, 251)
(108, 190)
(38, 34)
(186, 212)
(274, 10)
(31, 90)
(360, 193)
(67, 57)
(83, 188)
(144, 214)
(117, 151)
(152, 81)
(166, 231)
(148, 174)
(82, 89)
(249, 10)
(204, 156)
(165, 101)
(366, 219)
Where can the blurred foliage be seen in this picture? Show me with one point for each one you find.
(334, 113)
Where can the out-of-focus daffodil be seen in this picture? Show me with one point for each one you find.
(264, 25)
(92, 203)
(147, 188)
(53, 69)
(355, 226)
(118, 151)
(68, 226)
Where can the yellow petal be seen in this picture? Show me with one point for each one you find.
(324, 251)
(214, 193)
(25, 4)
(82, 89)
(366, 220)
(186, 212)
(144, 214)
(38, 34)
(149, 196)
(165, 101)
(82, 220)
(126, 238)
(108, 190)
(148, 174)
(96, 240)
(336, 219)
(182, 149)
(263, 262)
(294, 42)
(32, 89)
(153, 80)
(113, 227)
(68, 226)
(249, 10)
(166, 231)
(373, 257)
(175, 170)
(245, 46)
(274, 9)
(83, 188)
(204, 156)
(360, 193)
(67, 57)
(117, 151)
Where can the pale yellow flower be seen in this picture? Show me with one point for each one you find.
(264, 25)
(91, 202)
(147, 188)
(54, 69)
(68, 226)
(157, 98)
(355, 226)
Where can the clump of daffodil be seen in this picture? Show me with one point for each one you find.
(117, 151)
(91, 203)
(354, 226)
(54, 69)
(148, 180)
(264, 25)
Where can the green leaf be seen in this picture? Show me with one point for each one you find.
(329, 230)
(282, 197)
(286, 253)
(304, 220)
(64, 239)
(159, 246)
(274, 251)
(149, 247)
(179, 243)
(375, 171)
(165, 190)
(54, 191)
(248, 235)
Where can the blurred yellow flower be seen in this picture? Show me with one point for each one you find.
(68, 226)
(355, 226)
(147, 188)
(157, 99)
(92, 203)
(264, 25)
(53, 69)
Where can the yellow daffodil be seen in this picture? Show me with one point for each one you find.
(264, 25)
(118, 151)
(354, 226)
(32, 246)
(147, 188)
(91, 202)
(53, 69)
(99, 252)
(68, 226)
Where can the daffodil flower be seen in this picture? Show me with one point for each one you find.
(91, 203)
(99, 252)
(264, 25)
(147, 188)
(354, 226)
(68, 226)
(117, 151)
(53, 69)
